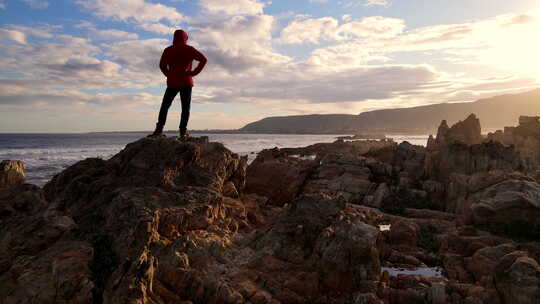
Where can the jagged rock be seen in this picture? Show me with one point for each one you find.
(329, 238)
(467, 132)
(11, 173)
(459, 158)
(40, 258)
(347, 255)
(525, 138)
(517, 278)
(382, 193)
(410, 159)
(461, 150)
(229, 189)
(117, 218)
(342, 176)
(160, 223)
(165, 221)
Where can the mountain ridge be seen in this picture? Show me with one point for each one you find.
(494, 112)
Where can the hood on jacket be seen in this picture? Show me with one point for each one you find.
(180, 37)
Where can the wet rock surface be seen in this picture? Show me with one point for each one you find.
(190, 222)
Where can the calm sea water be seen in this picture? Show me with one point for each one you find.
(44, 155)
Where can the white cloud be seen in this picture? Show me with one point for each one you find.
(478, 35)
(317, 30)
(138, 10)
(138, 55)
(322, 86)
(239, 43)
(106, 34)
(44, 31)
(68, 62)
(233, 7)
(344, 56)
(2, 5)
(37, 4)
(311, 30)
(13, 35)
(113, 34)
(158, 28)
(377, 3)
(371, 27)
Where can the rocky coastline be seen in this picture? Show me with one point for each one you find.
(368, 221)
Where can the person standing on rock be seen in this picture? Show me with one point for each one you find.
(176, 64)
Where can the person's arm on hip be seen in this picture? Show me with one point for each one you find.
(202, 62)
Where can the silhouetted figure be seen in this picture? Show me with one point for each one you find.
(176, 63)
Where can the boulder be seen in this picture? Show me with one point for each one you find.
(276, 176)
(11, 173)
(482, 263)
(517, 278)
(511, 207)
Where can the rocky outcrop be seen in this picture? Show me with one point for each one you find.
(458, 158)
(341, 147)
(525, 138)
(329, 238)
(100, 227)
(466, 132)
(165, 222)
(11, 173)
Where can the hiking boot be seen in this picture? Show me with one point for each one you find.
(158, 132)
(183, 136)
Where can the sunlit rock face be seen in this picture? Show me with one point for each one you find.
(11, 173)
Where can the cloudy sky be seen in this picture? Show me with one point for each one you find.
(92, 65)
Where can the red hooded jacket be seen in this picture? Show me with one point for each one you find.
(177, 59)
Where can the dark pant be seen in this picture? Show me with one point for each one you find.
(185, 97)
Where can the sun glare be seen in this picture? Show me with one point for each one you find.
(517, 48)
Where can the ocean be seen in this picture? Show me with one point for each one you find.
(45, 155)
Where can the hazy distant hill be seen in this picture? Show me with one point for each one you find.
(494, 113)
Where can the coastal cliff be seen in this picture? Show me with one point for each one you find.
(371, 221)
